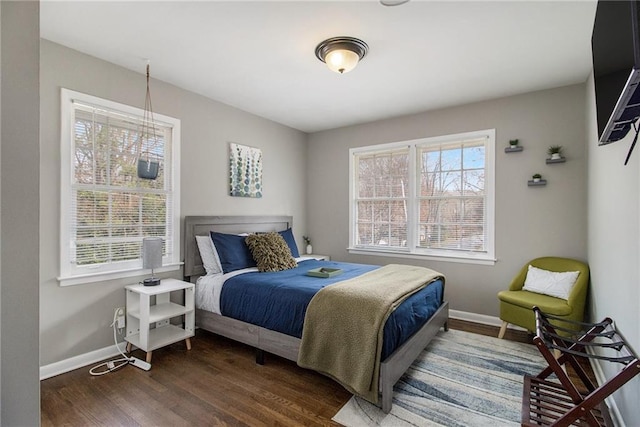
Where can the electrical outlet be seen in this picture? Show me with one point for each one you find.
(120, 319)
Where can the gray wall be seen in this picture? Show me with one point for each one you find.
(530, 222)
(614, 244)
(75, 319)
(19, 379)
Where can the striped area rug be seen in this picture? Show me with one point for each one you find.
(461, 379)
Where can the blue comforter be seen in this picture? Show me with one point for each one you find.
(279, 300)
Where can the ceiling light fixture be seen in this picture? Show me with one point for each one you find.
(341, 54)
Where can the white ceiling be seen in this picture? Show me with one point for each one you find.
(259, 56)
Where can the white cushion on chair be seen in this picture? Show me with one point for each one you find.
(550, 283)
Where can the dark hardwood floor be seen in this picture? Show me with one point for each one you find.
(215, 383)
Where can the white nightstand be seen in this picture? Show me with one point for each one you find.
(141, 315)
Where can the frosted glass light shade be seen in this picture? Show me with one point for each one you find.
(341, 60)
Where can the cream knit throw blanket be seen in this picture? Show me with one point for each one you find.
(344, 323)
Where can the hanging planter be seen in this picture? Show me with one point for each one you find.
(148, 168)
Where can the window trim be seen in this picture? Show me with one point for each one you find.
(70, 275)
(412, 251)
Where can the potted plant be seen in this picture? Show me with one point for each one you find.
(513, 143)
(555, 151)
(307, 241)
(536, 177)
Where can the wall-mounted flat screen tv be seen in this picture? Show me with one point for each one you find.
(615, 45)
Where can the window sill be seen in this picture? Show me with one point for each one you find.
(459, 258)
(84, 279)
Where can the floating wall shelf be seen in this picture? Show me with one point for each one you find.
(513, 149)
(532, 183)
(560, 160)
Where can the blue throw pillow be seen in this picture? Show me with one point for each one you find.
(233, 252)
(291, 241)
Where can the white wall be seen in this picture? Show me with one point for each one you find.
(530, 221)
(20, 404)
(75, 319)
(614, 244)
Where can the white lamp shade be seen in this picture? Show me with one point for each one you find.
(341, 60)
(151, 252)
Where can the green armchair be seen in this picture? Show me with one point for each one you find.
(516, 305)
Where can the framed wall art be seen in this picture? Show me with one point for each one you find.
(245, 171)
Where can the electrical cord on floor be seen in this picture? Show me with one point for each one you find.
(111, 365)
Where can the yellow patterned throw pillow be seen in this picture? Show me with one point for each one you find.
(270, 252)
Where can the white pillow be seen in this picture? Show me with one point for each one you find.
(550, 283)
(209, 255)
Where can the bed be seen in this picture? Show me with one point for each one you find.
(288, 345)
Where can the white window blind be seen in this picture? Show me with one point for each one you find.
(382, 198)
(431, 197)
(106, 208)
(451, 198)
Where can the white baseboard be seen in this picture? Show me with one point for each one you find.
(57, 368)
(616, 416)
(480, 318)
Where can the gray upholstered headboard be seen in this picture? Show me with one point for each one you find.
(202, 225)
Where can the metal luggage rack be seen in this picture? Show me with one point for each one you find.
(551, 402)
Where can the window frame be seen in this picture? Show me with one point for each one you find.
(412, 250)
(71, 274)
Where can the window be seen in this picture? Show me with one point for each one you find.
(431, 197)
(106, 209)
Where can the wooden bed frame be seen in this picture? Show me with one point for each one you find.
(391, 369)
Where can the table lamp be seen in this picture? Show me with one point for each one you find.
(151, 258)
